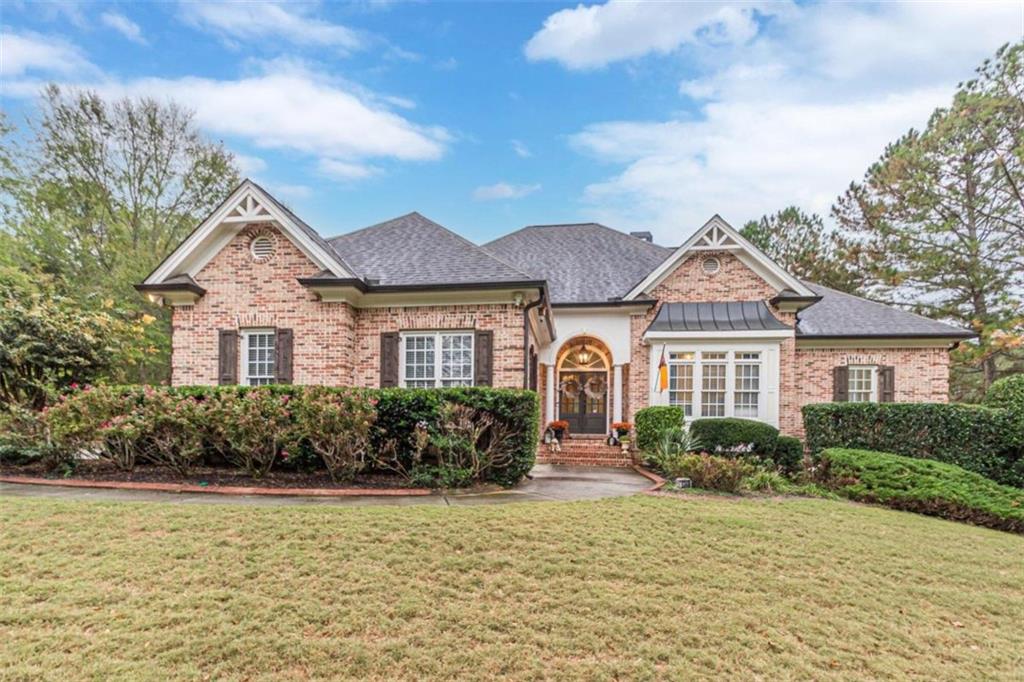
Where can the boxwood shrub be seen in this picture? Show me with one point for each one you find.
(1007, 393)
(409, 428)
(981, 439)
(922, 485)
(732, 435)
(651, 421)
(789, 453)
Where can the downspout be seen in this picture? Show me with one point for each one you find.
(526, 338)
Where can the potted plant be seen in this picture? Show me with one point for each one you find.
(559, 427)
(621, 429)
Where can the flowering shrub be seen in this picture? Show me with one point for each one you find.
(337, 427)
(621, 428)
(253, 429)
(489, 433)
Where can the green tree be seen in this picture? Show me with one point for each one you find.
(940, 217)
(48, 341)
(108, 189)
(800, 243)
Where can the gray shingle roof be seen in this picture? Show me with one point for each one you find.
(582, 263)
(412, 250)
(715, 317)
(845, 315)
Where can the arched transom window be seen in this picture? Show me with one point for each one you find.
(584, 357)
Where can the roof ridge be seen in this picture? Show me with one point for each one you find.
(380, 224)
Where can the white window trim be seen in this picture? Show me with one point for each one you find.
(247, 334)
(436, 334)
(768, 391)
(873, 373)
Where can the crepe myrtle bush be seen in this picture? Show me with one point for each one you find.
(345, 430)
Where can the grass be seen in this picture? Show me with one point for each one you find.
(638, 588)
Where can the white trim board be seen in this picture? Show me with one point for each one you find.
(657, 337)
(718, 235)
(248, 204)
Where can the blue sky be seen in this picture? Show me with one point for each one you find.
(487, 117)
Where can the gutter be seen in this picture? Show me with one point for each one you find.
(526, 335)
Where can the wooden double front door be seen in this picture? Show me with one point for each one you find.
(583, 401)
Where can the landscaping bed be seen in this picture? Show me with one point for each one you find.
(204, 476)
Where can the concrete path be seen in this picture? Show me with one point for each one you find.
(549, 483)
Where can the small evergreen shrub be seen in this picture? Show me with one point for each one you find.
(923, 486)
(789, 454)
(652, 421)
(734, 436)
(984, 440)
(709, 472)
(1007, 393)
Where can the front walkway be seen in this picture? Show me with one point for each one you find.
(549, 483)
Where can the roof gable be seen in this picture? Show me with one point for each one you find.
(718, 235)
(248, 204)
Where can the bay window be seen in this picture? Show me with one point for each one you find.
(718, 383)
(436, 359)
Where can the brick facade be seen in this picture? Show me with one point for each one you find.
(805, 375)
(334, 343)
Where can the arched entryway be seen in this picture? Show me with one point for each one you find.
(582, 383)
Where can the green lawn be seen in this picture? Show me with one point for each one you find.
(633, 588)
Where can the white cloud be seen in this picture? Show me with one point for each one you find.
(123, 25)
(286, 106)
(793, 116)
(22, 53)
(346, 170)
(503, 190)
(246, 21)
(587, 37)
(250, 165)
(521, 150)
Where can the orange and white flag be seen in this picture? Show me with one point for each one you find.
(662, 372)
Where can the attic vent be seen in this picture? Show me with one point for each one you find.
(262, 248)
(711, 265)
(646, 236)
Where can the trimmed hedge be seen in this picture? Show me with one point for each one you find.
(789, 453)
(651, 421)
(731, 435)
(923, 486)
(984, 440)
(1007, 393)
(415, 432)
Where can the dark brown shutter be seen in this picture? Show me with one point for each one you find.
(483, 358)
(840, 384)
(283, 343)
(886, 384)
(389, 359)
(227, 357)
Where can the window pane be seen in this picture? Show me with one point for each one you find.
(713, 388)
(680, 387)
(456, 359)
(259, 358)
(748, 384)
(861, 384)
(419, 361)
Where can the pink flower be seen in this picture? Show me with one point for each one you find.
(74, 386)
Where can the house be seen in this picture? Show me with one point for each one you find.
(582, 313)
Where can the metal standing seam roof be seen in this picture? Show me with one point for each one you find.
(730, 316)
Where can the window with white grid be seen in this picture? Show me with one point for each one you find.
(456, 359)
(258, 358)
(432, 359)
(680, 382)
(713, 386)
(863, 384)
(748, 384)
(420, 361)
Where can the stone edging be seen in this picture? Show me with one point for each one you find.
(220, 489)
(657, 480)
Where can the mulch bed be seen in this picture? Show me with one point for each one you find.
(206, 476)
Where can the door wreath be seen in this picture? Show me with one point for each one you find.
(595, 387)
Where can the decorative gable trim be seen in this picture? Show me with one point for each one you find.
(718, 235)
(249, 204)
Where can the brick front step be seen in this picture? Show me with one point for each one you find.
(557, 458)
